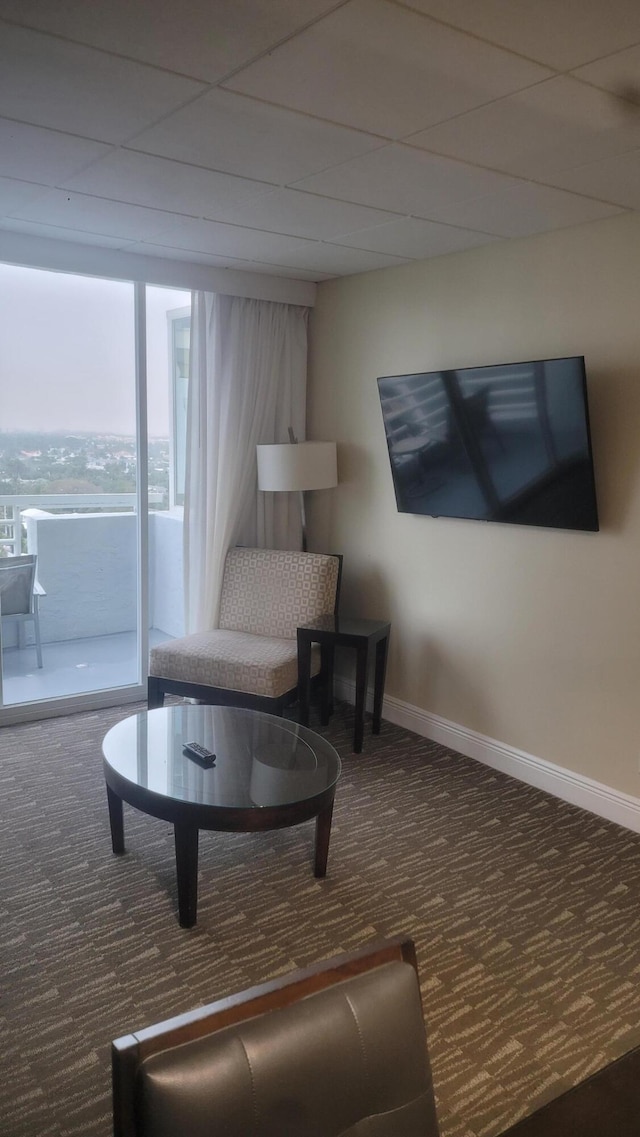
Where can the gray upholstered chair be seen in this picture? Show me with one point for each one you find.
(251, 659)
(338, 1050)
(335, 1051)
(20, 593)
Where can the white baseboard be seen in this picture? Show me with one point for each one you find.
(577, 789)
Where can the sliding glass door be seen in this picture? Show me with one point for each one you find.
(71, 484)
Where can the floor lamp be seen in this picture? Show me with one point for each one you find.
(296, 467)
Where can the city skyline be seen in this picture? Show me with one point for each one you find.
(37, 463)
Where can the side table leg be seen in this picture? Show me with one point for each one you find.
(186, 842)
(327, 656)
(362, 659)
(304, 672)
(116, 821)
(382, 648)
(323, 833)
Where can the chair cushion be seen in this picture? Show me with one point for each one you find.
(317, 1068)
(271, 592)
(236, 661)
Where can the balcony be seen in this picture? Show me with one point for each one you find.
(87, 565)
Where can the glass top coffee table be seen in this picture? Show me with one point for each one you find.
(269, 773)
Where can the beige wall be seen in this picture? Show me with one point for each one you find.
(529, 636)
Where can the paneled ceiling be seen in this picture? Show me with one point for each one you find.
(315, 138)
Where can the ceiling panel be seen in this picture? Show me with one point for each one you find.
(230, 240)
(612, 179)
(558, 124)
(315, 137)
(95, 215)
(561, 33)
(410, 237)
(169, 252)
(60, 233)
(142, 179)
(305, 215)
(14, 193)
(338, 260)
(228, 132)
(48, 82)
(205, 39)
(524, 210)
(384, 69)
(39, 155)
(405, 180)
(619, 73)
(313, 275)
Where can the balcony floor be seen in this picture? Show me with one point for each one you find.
(73, 667)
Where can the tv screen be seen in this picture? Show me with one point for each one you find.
(507, 443)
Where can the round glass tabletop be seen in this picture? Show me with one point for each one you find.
(262, 761)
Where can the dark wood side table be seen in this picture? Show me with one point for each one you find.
(344, 631)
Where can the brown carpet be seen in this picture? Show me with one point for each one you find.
(525, 912)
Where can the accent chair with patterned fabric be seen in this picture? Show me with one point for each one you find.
(251, 659)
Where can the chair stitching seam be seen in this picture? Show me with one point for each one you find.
(254, 1099)
(363, 1049)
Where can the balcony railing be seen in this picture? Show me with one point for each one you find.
(87, 561)
(12, 532)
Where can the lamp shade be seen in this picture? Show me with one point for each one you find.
(297, 466)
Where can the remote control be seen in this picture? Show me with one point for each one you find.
(200, 754)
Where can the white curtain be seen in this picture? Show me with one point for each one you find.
(247, 385)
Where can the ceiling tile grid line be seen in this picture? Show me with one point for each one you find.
(165, 223)
(254, 188)
(274, 32)
(63, 203)
(330, 138)
(243, 189)
(292, 34)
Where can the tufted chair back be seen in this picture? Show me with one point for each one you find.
(339, 1051)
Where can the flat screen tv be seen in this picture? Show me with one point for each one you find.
(508, 443)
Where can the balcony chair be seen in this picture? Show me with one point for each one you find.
(338, 1050)
(251, 659)
(20, 593)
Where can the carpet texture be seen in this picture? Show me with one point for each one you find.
(525, 912)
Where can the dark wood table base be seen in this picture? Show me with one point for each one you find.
(362, 635)
(186, 848)
(264, 773)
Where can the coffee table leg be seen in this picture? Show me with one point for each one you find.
(186, 841)
(116, 821)
(323, 833)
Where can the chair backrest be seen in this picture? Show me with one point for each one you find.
(335, 1051)
(17, 577)
(271, 592)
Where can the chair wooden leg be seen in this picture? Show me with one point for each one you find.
(155, 692)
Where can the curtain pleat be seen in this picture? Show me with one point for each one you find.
(247, 385)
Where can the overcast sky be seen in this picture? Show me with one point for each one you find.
(67, 353)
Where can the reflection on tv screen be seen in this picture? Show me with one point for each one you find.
(503, 443)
